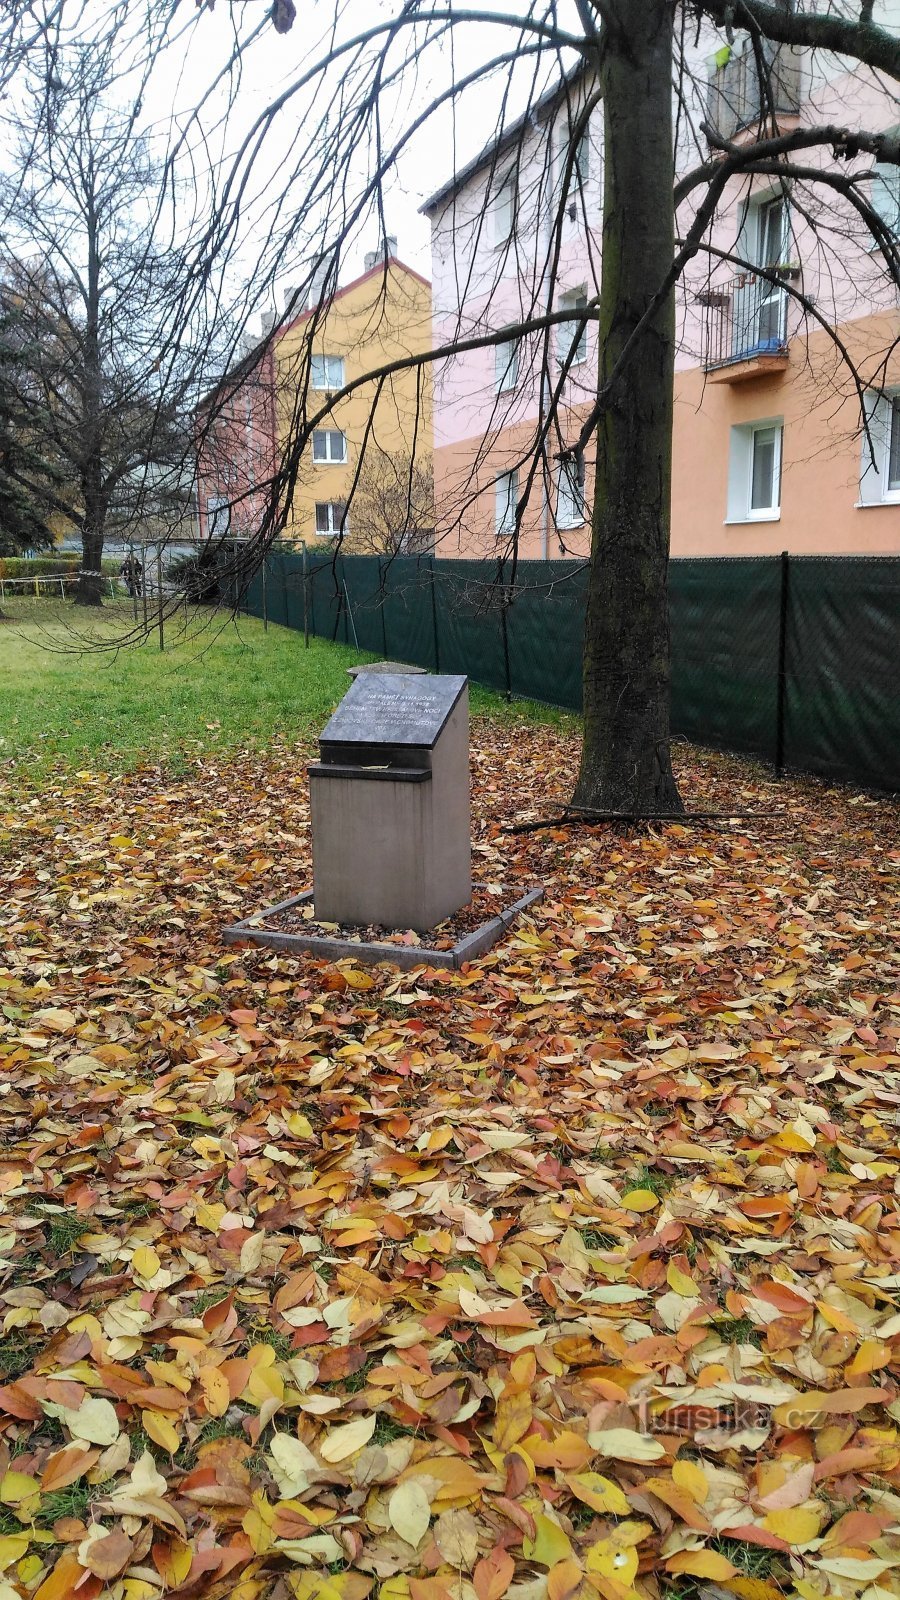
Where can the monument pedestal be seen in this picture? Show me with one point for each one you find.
(390, 804)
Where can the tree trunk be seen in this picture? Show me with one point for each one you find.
(89, 588)
(625, 763)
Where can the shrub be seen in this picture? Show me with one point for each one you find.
(196, 576)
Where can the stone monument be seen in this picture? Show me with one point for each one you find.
(389, 800)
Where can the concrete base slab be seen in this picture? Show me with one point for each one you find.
(253, 930)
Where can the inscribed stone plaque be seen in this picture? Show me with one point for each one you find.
(380, 708)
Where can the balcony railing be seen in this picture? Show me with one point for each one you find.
(745, 317)
(748, 86)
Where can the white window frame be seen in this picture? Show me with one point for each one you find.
(328, 459)
(327, 372)
(506, 496)
(572, 300)
(882, 418)
(504, 206)
(740, 471)
(335, 510)
(571, 505)
(506, 364)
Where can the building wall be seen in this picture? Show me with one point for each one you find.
(381, 317)
(236, 451)
(813, 397)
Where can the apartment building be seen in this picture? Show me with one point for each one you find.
(379, 318)
(769, 450)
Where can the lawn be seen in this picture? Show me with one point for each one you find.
(574, 1275)
(67, 691)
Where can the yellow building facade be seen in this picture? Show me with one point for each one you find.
(357, 443)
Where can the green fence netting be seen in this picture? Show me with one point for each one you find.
(796, 661)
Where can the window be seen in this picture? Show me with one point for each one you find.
(581, 167)
(327, 372)
(504, 209)
(893, 454)
(759, 307)
(571, 509)
(765, 474)
(331, 517)
(879, 479)
(506, 365)
(218, 517)
(506, 494)
(754, 474)
(885, 195)
(734, 96)
(329, 445)
(570, 332)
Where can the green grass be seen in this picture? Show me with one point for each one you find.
(71, 691)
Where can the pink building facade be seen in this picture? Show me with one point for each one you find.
(771, 451)
(236, 449)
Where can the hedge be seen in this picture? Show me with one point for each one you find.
(49, 566)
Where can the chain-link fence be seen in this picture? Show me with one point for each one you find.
(794, 660)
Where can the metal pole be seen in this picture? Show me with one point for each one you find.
(781, 699)
(133, 566)
(159, 597)
(305, 601)
(144, 588)
(265, 604)
(381, 586)
(434, 622)
(350, 615)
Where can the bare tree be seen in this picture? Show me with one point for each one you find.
(393, 505)
(358, 103)
(101, 388)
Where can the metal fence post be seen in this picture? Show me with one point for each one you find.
(434, 622)
(159, 596)
(305, 601)
(781, 698)
(265, 605)
(383, 593)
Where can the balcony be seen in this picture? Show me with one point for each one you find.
(745, 88)
(745, 328)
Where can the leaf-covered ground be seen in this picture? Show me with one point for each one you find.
(575, 1274)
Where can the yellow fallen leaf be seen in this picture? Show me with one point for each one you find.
(625, 1444)
(691, 1479)
(161, 1430)
(409, 1511)
(798, 1525)
(608, 1559)
(344, 1442)
(702, 1564)
(549, 1545)
(216, 1392)
(145, 1261)
(94, 1420)
(639, 1200)
(680, 1282)
(12, 1548)
(299, 1125)
(600, 1493)
(17, 1487)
